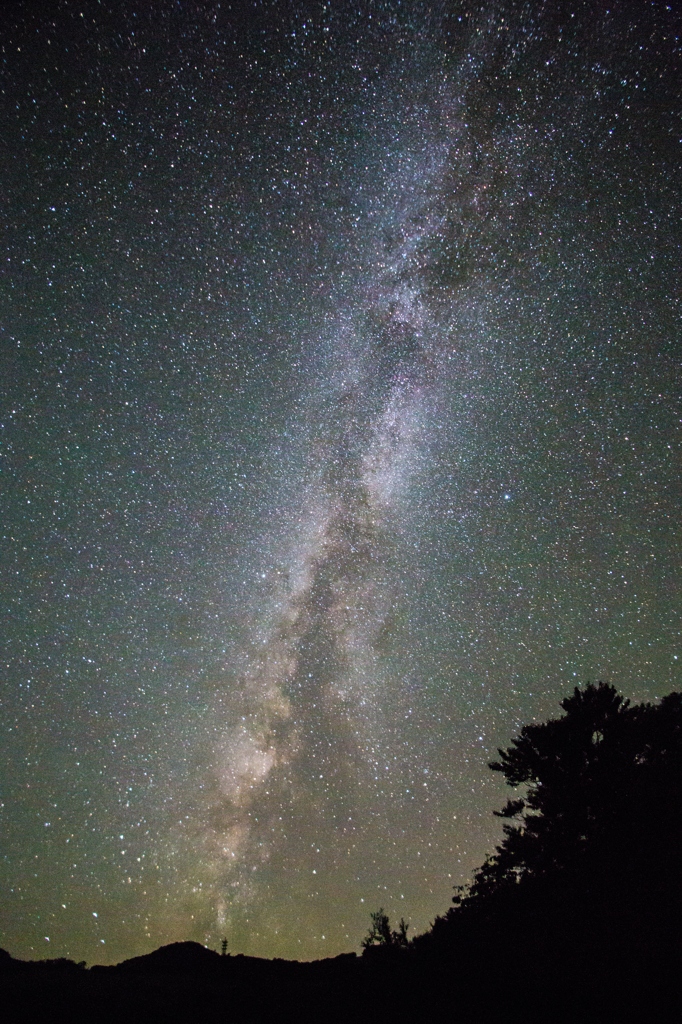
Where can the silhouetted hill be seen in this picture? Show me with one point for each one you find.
(481, 983)
(183, 981)
(9, 964)
(178, 956)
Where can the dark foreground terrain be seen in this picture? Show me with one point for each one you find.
(575, 919)
(186, 982)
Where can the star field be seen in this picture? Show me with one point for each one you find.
(340, 420)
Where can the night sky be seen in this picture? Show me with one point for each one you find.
(340, 413)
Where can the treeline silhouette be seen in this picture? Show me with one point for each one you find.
(576, 916)
(578, 913)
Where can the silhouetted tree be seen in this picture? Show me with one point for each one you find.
(569, 768)
(603, 775)
(584, 888)
(592, 848)
(381, 933)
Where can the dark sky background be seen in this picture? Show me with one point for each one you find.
(340, 419)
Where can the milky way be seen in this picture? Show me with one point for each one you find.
(341, 418)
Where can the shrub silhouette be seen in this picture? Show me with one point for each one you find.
(382, 935)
